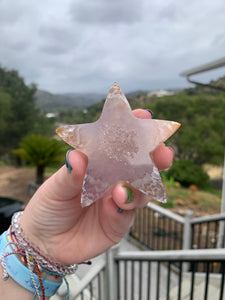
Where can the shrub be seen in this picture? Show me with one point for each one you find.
(40, 151)
(188, 173)
(169, 204)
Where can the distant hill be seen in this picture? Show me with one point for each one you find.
(56, 102)
(49, 102)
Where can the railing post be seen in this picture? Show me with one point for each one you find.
(111, 274)
(187, 235)
(187, 230)
(221, 239)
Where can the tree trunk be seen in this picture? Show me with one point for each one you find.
(40, 174)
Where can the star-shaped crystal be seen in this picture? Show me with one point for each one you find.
(118, 146)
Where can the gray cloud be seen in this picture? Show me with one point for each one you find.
(107, 12)
(10, 12)
(57, 39)
(75, 46)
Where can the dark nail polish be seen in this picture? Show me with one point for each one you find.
(149, 110)
(69, 168)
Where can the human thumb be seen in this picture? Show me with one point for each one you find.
(67, 182)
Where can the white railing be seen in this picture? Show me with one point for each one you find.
(160, 229)
(156, 275)
(163, 275)
(93, 286)
(171, 275)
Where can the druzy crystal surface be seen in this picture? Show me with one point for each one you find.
(119, 146)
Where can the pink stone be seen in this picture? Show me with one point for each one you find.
(118, 146)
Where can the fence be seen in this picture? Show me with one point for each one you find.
(157, 228)
(94, 285)
(163, 275)
(205, 231)
(153, 275)
(94, 289)
(160, 229)
(150, 275)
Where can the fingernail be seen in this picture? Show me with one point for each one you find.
(69, 168)
(130, 194)
(149, 110)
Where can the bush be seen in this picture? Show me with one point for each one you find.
(41, 151)
(188, 173)
(169, 204)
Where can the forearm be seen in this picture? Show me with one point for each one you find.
(10, 289)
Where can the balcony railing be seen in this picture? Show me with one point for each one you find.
(205, 231)
(155, 275)
(152, 275)
(162, 275)
(160, 229)
(91, 287)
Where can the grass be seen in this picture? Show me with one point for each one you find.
(203, 202)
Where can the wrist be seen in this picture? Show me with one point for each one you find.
(44, 261)
(14, 268)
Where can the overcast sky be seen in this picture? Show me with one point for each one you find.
(84, 46)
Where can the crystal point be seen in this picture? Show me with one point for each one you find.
(118, 146)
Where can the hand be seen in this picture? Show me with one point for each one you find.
(55, 221)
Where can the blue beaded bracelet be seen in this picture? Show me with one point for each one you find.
(18, 272)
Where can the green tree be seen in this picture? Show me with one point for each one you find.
(41, 151)
(19, 114)
(201, 112)
(5, 109)
(201, 137)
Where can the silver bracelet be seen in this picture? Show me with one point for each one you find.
(44, 262)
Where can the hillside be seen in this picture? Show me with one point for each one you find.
(49, 102)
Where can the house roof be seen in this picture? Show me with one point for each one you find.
(204, 68)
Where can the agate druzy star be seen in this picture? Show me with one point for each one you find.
(119, 146)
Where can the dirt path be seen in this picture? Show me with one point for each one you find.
(13, 182)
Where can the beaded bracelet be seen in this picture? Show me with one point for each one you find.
(43, 261)
(13, 267)
(27, 265)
